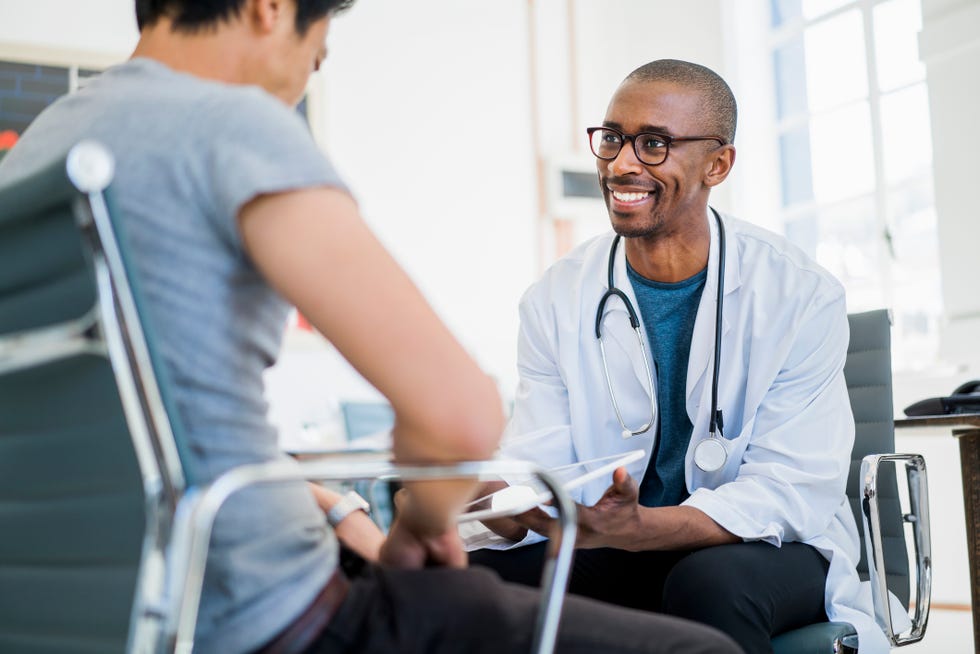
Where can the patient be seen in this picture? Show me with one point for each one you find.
(233, 215)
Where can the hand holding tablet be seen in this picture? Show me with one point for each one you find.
(520, 497)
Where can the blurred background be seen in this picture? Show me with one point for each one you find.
(460, 127)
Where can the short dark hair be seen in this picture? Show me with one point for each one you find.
(197, 15)
(722, 112)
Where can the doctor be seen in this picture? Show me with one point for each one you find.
(731, 383)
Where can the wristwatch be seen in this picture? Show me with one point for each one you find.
(349, 503)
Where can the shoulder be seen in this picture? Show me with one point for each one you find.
(250, 116)
(770, 260)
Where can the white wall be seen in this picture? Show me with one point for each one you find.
(102, 29)
(426, 111)
(950, 47)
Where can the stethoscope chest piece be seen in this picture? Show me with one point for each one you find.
(710, 454)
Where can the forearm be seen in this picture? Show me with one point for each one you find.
(446, 408)
(675, 528)
(358, 532)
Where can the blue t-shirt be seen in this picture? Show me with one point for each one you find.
(190, 153)
(668, 311)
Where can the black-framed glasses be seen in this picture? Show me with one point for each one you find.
(651, 148)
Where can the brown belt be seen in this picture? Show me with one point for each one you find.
(301, 633)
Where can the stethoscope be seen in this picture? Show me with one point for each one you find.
(710, 453)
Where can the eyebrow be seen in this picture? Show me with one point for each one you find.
(658, 129)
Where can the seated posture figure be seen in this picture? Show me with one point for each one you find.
(232, 214)
(737, 516)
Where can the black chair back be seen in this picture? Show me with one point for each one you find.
(86, 489)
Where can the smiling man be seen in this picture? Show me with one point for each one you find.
(718, 349)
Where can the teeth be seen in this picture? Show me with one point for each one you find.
(629, 197)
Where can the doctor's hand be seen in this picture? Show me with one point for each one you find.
(414, 544)
(613, 521)
(506, 527)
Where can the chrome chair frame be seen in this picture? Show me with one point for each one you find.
(199, 508)
(918, 517)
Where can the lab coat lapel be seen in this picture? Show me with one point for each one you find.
(703, 338)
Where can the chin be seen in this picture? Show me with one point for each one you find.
(637, 227)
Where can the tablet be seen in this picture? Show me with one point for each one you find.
(524, 496)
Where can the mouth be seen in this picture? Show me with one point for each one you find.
(624, 199)
(630, 196)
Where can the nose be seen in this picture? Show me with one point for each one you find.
(626, 161)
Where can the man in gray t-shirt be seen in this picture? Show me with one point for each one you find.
(190, 153)
(232, 214)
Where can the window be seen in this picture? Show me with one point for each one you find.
(27, 88)
(855, 157)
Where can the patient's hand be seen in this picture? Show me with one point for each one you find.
(413, 544)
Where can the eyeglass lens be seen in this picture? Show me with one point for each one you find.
(650, 148)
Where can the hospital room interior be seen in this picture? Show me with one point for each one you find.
(460, 128)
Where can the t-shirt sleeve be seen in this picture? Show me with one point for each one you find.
(259, 146)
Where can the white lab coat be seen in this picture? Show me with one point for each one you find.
(781, 387)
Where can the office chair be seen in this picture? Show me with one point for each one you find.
(872, 490)
(103, 529)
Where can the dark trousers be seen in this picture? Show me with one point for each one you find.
(751, 591)
(442, 610)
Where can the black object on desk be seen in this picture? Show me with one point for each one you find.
(965, 399)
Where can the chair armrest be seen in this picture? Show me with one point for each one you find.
(918, 516)
(197, 510)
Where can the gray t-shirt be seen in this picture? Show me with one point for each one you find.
(189, 154)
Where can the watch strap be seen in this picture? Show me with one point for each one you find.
(347, 504)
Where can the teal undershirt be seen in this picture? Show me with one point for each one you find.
(668, 311)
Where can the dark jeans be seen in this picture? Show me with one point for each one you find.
(442, 610)
(751, 591)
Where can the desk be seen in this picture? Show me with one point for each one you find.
(966, 428)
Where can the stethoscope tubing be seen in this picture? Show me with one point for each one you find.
(716, 424)
(716, 421)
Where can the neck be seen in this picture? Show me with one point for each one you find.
(671, 257)
(216, 54)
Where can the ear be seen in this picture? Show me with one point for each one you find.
(264, 15)
(719, 165)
